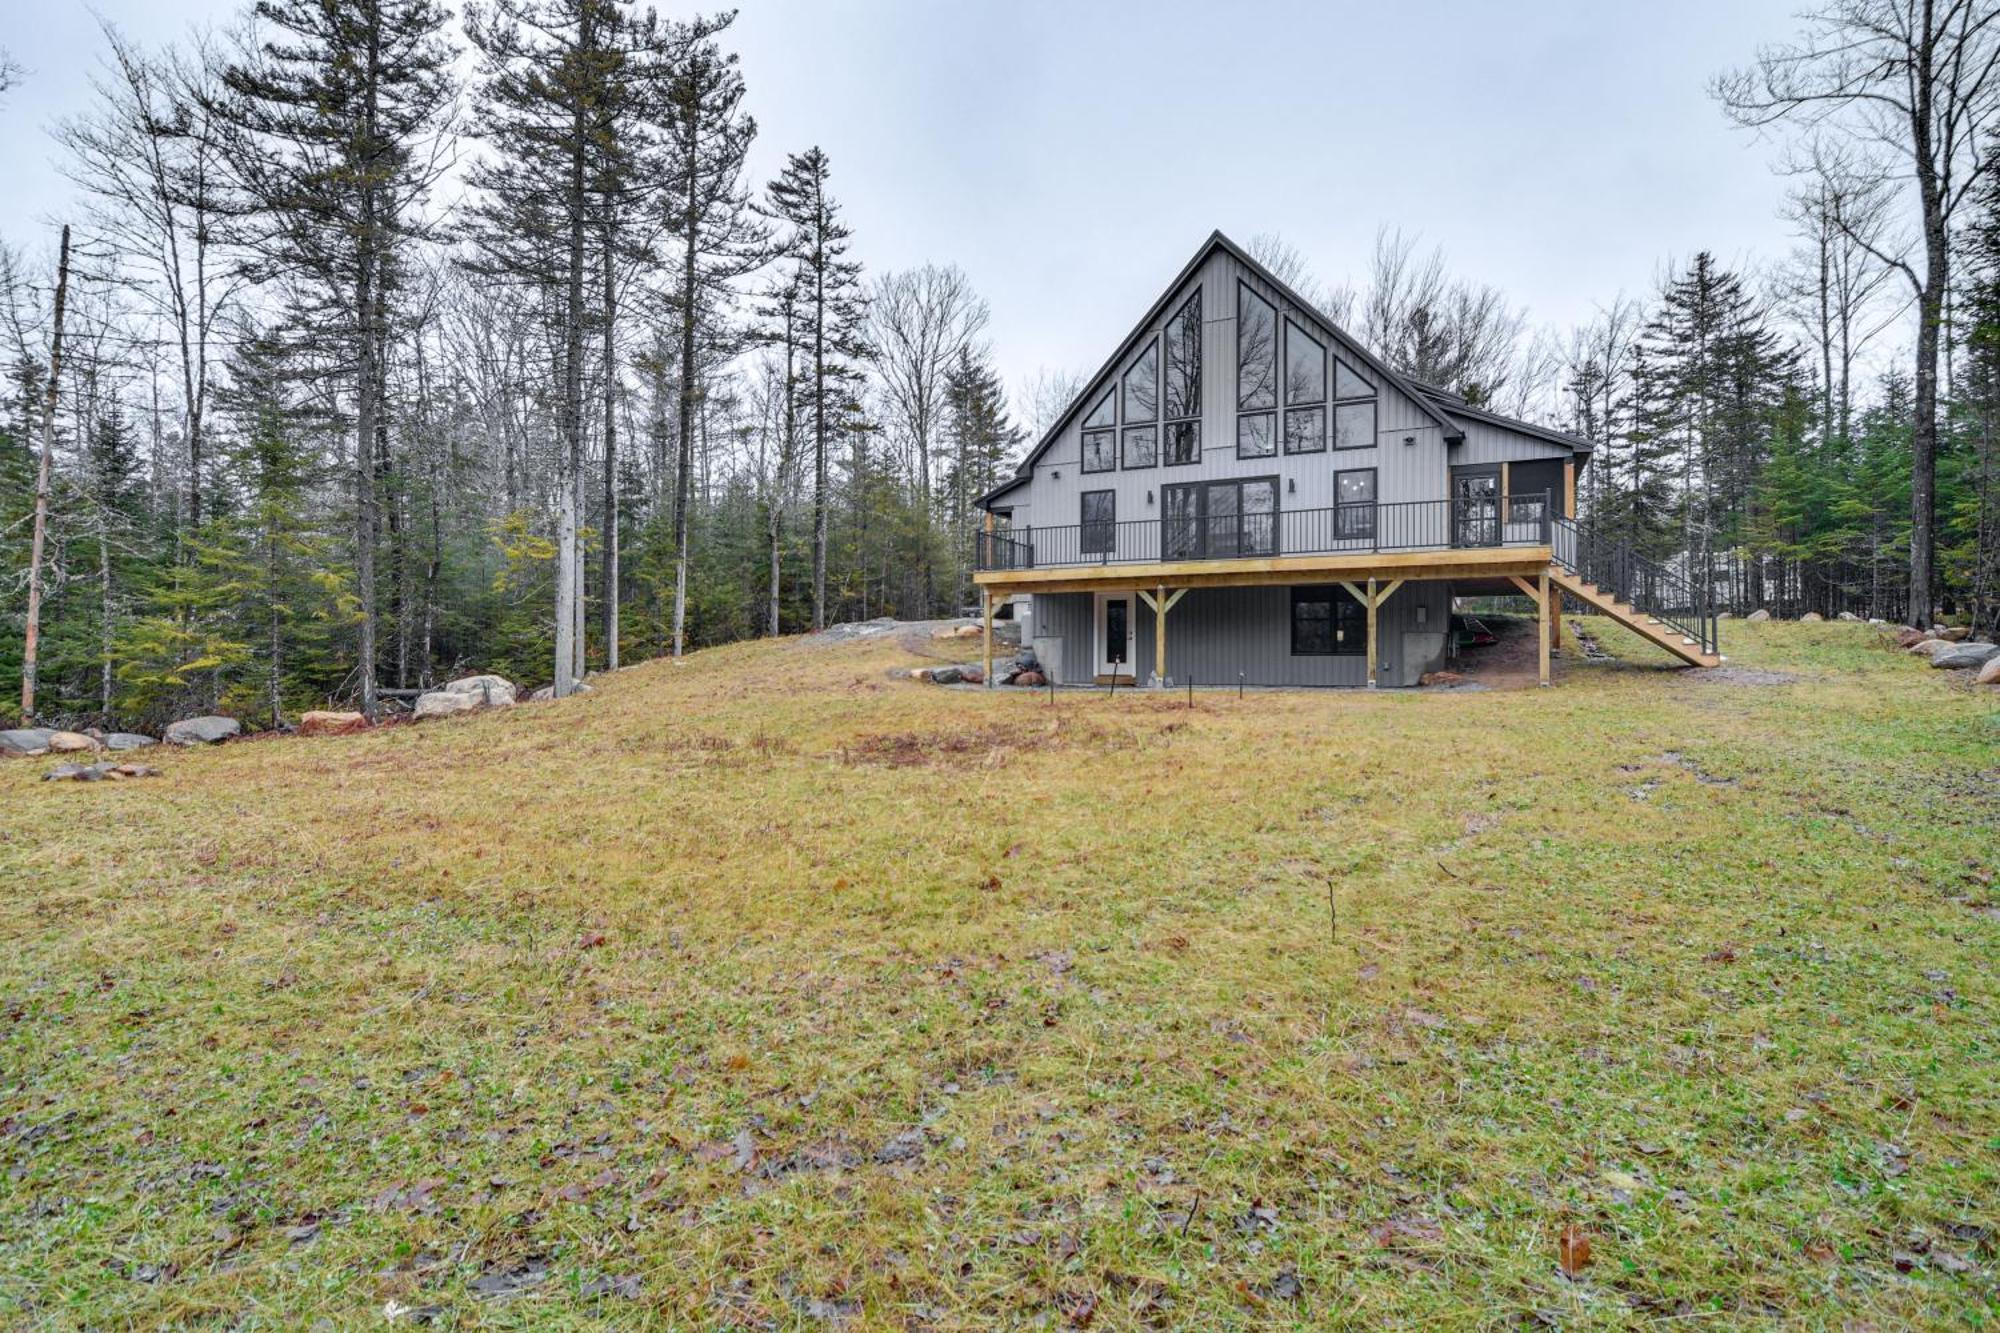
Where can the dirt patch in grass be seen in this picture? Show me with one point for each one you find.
(1732, 675)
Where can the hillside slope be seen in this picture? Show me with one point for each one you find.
(768, 988)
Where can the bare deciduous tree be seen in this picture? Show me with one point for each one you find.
(1908, 86)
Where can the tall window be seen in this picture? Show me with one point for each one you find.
(1099, 453)
(1182, 396)
(1354, 498)
(1327, 622)
(1100, 523)
(1256, 374)
(1305, 391)
(1142, 409)
(1353, 408)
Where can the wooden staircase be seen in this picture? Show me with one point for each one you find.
(1650, 628)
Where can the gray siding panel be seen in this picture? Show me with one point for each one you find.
(1486, 443)
(1214, 634)
(1410, 456)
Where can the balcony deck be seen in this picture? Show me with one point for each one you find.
(1439, 539)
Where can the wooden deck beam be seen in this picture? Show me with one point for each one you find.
(1478, 563)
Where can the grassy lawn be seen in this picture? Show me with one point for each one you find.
(767, 990)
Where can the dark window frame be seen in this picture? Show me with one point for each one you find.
(1333, 424)
(1340, 607)
(1088, 528)
(1201, 517)
(1083, 450)
(1244, 289)
(1302, 409)
(1344, 511)
(1318, 400)
(1267, 414)
(1125, 417)
(1125, 434)
(1188, 422)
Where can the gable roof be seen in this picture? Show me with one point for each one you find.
(1457, 408)
(1217, 241)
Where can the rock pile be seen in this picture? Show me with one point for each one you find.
(98, 772)
(1024, 669)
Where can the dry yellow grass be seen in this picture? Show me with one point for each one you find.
(769, 990)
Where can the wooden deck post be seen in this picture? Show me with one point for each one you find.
(1371, 633)
(1543, 602)
(1160, 634)
(986, 615)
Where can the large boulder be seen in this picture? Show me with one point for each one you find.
(1909, 637)
(1955, 633)
(1031, 679)
(445, 703)
(1811, 618)
(127, 740)
(1847, 615)
(202, 730)
(1990, 673)
(323, 723)
(972, 675)
(71, 742)
(1964, 656)
(1759, 616)
(1930, 647)
(491, 691)
(26, 740)
(944, 675)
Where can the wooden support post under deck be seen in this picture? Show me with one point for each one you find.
(1160, 603)
(1569, 488)
(1547, 610)
(1371, 633)
(986, 615)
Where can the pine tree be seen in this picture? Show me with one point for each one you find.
(708, 210)
(831, 312)
(333, 115)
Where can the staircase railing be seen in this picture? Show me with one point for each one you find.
(1651, 588)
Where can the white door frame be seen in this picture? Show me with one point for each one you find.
(1100, 660)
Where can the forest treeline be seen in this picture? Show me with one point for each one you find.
(397, 342)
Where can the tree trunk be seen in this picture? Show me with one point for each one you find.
(31, 642)
(684, 471)
(609, 579)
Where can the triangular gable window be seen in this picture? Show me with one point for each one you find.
(1347, 382)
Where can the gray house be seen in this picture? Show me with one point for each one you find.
(1244, 492)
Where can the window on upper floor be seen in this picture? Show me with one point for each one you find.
(1142, 446)
(1305, 430)
(1142, 386)
(1354, 425)
(1348, 383)
(1256, 351)
(1183, 341)
(1099, 439)
(1305, 366)
(1099, 531)
(1354, 501)
(1256, 435)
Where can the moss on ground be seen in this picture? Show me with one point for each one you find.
(768, 989)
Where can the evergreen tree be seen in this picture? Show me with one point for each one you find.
(333, 115)
(831, 311)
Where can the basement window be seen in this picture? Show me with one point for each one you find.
(1327, 622)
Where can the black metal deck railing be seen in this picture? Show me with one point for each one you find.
(1413, 525)
(1649, 586)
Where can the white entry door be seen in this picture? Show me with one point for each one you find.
(1114, 634)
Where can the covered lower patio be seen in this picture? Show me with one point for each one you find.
(1173, 621)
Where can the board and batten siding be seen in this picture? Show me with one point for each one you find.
(1215, 634)
(1409, 456)
(1487, 443)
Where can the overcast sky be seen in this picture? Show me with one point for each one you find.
(1071, 156)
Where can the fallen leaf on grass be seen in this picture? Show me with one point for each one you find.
(1573, 1251)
